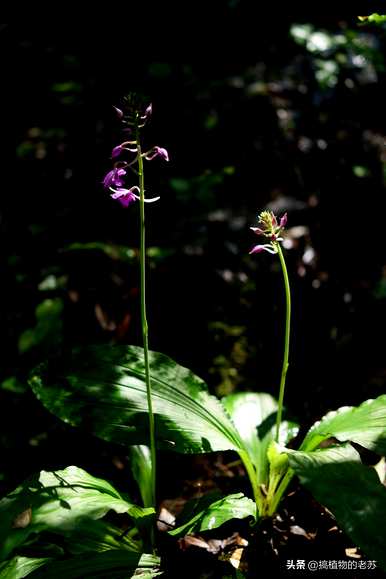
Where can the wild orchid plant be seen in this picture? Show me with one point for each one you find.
(104, 388)
(71, 503)
(120, 393)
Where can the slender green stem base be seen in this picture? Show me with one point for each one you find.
(286, 340)
(251, 472)
(275, 500)
(145, 332)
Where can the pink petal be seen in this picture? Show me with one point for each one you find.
(257, 230)
(119, 112)
(116, 151)
(283, 220)
(257, 249)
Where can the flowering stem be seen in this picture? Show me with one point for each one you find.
(145, 334)
(286, 340)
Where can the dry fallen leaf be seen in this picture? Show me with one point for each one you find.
(216, 546)
(166, 520)
(353, 552)
(234, 556)
(22, 520)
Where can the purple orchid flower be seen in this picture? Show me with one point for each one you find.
(127, 196)
(124, 196)
(156, 152)
(114, 177)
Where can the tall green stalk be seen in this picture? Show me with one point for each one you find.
(279, 477)
(145, 332)
(286, 340)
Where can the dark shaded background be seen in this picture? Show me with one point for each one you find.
(296, 122)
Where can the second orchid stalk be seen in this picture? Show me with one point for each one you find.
(272, 229)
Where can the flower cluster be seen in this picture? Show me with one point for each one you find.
(271, 229)
(133, 120)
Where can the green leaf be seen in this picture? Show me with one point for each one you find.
(373, 18)
(93, 536)
(300, 460)
(20, 567)
(141, 470)
(254, 415)
(59, 502)
(364, 424)
(111, 564)
(103, 389)
(210, 512)
(350, 490)
(13, 384)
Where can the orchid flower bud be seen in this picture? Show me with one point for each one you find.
(119, 112)
(283, 221)
(116, 151)
(148, 111)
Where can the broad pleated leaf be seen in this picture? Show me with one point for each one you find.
(211, 512)
(93, 536)
(254, 415)
(20, 567)
(350, 490)
(58, 502)
(110, 564)
(364, 424)
(103, 389)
